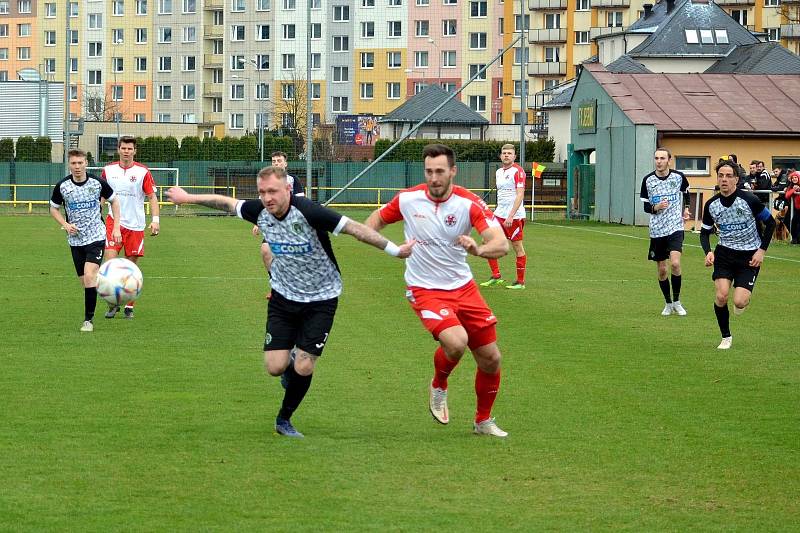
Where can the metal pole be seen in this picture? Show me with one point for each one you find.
(309, 114)
(66, 87)
(523, 96)
(260, 117)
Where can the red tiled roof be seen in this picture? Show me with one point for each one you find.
(741, 103)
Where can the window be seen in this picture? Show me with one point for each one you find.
(552, 54)
(141, 64)
(289, 4)
(217, 18)
(422, 28)
(773, 34)
(368, 29)
(477, 41)
(189, 63)
(49, 37)
(722, 36)
(73, 64)
(117, 64)
(236, 121)
(448, 27)
(316, 91)
(288, 31)
(24, 30)
(367, 60)
(367, 91)
(448, 58)
(95, 77)
(165, 64)
(614, 19)
(73, 93)
(24, 6)
(3, 30)
(262, 32)
(188, 118)
(190, 34)
(93, 105)
(216, 75)
(691, 36)
(139, 117)
(141, 7)
(95, 21)
(24, 52)
(118, 8)
(95, 49)
(692, 165)
(164, 117)
(477, 103)
(395, 28)
(477, 8)
(316, 61)
(523, 53)
(450, 2)
(448, 86)
(262, 62)
(423, 3)
(552, 21)
(522, 23)
(49, 65)
(394, 60)
(49, 10)
(237, 91)
(263, 5)
(117, 93)
(190, 6)
(316, 4)
(288, 91)
(73, 9)
(421, 59)
(73, 37)
(237, 32)
(262, 120)
(393, 90)
(288, 61)
(550, 84)
(165, 7)
(141, 35)
(341, 13)
(3, 54)
(341, 43)
(581, 37)
(474, 69)
(165, 34)
(262, 91)
(316, 30)
(188, 91)
(395, 3)
(4, 9)
(340, 104)
(140, 92)
(340, 74)
(419, 86)
(706, 37)
(237, 62)
(582, 5)
(117, 36)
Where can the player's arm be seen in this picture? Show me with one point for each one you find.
(763, 214)
(494, 245)
(116, 231)
(687, 198)
(178, 196)
(367, 235)
(644, 196)
(56, 201)
(519, 183)
(706, 229)
(155, 212)
(375, 221)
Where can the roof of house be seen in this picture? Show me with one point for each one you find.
(418, 106)
(705, 103)
(626, 64)
(758, 58)
(561, 96)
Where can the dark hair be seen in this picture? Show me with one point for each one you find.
(732, 157)
(266, 172)
(279, 154)
(727, 163)
(435, 150)
(662, 149)
(126, 139)
(756, 162)
(76, 153)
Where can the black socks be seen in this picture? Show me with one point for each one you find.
(296, 388)
(723, 319)
(89, 302)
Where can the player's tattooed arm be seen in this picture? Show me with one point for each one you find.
(179, 196)
(368, 235)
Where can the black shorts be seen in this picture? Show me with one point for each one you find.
(660, 247)
(305, 325)
(733, 265)
(88, 253)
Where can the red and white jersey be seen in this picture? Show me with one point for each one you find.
(438, 261)
(508, 180)
(131, 186)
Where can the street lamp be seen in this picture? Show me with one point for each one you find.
(439, 60)
(260, 124)
(114, 88)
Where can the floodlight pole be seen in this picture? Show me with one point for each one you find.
(309, 113)
(66, 88)
(523, 89)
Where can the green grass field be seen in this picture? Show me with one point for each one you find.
(619, 418)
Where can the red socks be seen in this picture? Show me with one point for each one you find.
(442, 366)
(486, 386)
(521, 261)
(493, 264)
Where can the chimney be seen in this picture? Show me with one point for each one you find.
(648, 10)
(670, 5)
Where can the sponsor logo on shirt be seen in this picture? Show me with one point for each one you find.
(733, 227)
(668, 197)
(86, 204)
(290, 248)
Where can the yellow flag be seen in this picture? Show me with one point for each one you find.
(537, 169)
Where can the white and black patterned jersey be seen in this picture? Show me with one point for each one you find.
(671, 187)
(735, 217)
(304, 268)
(294, 183)
(81, 203)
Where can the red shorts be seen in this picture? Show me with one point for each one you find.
(514, 233)
(442, 309)
(132, 241)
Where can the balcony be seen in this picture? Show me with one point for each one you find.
(553, 35)
(604, 4)
(212, 118)
(790, 31)
(212, 90)
(550, 5)
(600, 31)
(212, 60)
(214, 32)
(547, 69)
(735, 2)
(213, 5)
(789, 2)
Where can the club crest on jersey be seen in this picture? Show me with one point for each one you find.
(297, 228)
(450, 220)
(133, 179)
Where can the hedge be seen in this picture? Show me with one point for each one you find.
(411, 150)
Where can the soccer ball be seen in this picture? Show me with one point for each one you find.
(119, 281)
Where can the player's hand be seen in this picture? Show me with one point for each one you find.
(663, 204)
(405, 248)
(507, 222)
(116, 234)
(256, 231)
(757, 258)
(686, 214)
(177, 195)
(468, 243)
(709, 259)
(155, 227)
(72, 229)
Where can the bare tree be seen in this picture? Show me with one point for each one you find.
(290, 104)
(790, 13)
(99, 106)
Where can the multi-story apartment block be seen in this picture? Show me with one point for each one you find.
(231, 66)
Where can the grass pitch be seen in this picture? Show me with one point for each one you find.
(619, 418)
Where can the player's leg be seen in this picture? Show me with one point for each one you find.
(658, 252)
(494, 266)
(112, 250)
(675, 282)
(133, 242)
(521, 261)
(744, 284)
(79, 261)
(722, 287)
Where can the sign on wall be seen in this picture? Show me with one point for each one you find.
(361, 130)
(587, 116)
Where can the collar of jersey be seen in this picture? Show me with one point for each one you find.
(437, 201)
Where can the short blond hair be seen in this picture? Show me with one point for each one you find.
(266, 172)
(508, 147)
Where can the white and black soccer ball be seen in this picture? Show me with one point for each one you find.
(119, 281)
